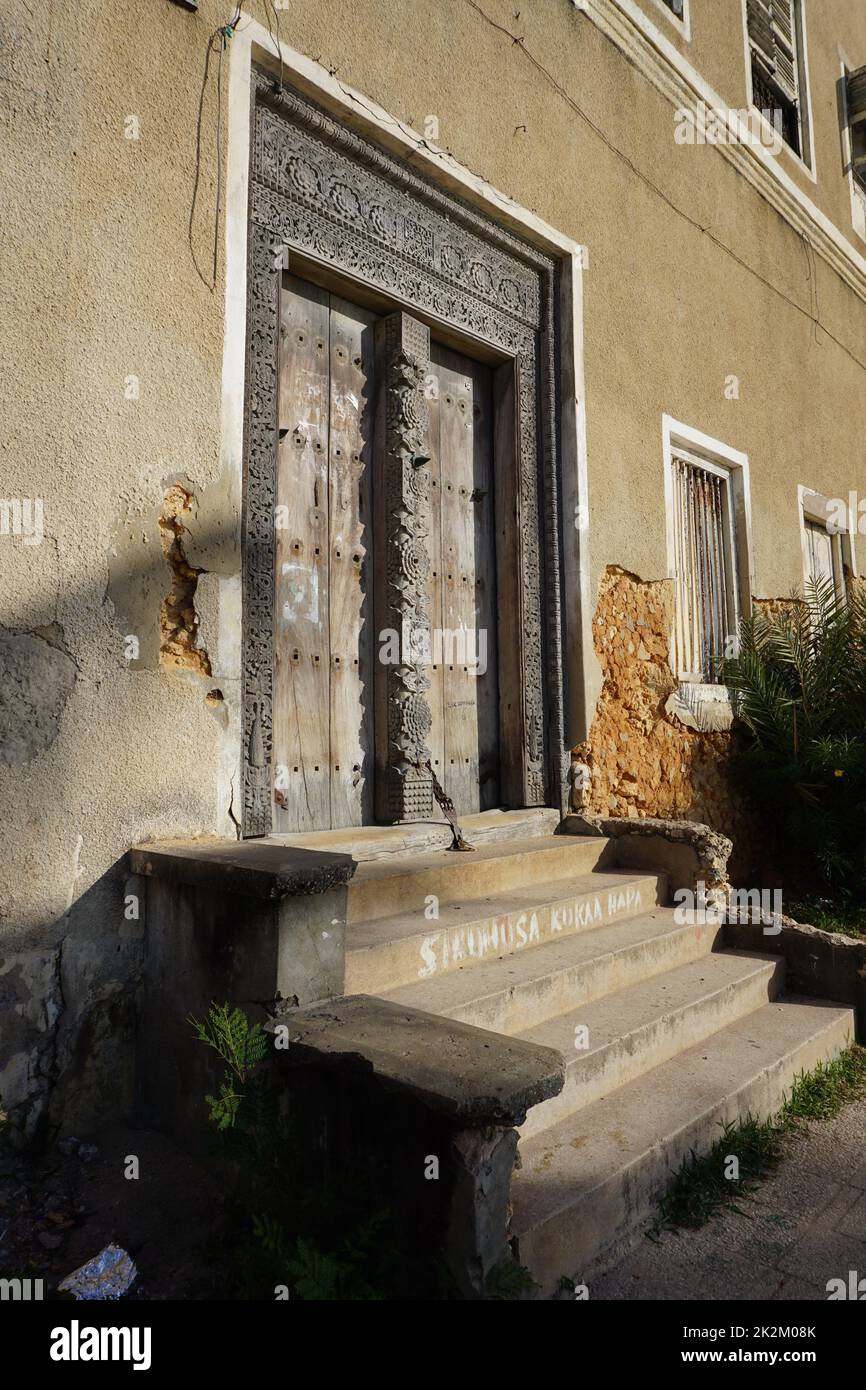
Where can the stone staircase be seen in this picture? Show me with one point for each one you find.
(666, 1035)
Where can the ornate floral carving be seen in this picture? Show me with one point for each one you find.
(404, 788)
(265, 261)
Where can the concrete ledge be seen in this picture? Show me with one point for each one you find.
(686, 851)
(471, 1077)
(820, 964)
(247, 868)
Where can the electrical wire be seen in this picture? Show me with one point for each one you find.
(220, 39)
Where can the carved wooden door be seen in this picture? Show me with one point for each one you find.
(323, 649)
(385, 642)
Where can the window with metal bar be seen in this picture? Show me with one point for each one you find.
(707, 599)
(775, 28)
(677, 7)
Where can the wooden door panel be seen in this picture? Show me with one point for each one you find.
(352, 356)
(485, 598)
(470, 718)
(301, 695)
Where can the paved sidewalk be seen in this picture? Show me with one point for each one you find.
(805, 1225)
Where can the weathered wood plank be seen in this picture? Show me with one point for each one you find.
(485, 617)
(301, 696)
(513, 772)
(470, 715)
(458, 565)
(352, 354)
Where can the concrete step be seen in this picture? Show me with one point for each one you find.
(368, 842)
(387, 952)
(591, 1179)
(515, 992)
(404, 883)
(638, 1028)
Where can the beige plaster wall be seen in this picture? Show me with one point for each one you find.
(99, 284)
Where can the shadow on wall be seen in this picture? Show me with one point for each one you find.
(103, 742)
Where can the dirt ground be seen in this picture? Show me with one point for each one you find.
(59, 1212)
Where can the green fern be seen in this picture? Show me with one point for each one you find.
(799, 686)
(269, 1249)
(243, 1047)
(509, 1281)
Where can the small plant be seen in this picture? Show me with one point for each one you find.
(508, 1280)
(241, 1047)
(272, 1244)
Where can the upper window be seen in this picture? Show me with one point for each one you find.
(678, 12)
(778, 71)
(855, 122)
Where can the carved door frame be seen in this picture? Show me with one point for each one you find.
(331, 202)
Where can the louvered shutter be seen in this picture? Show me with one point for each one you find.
(785, 43)
(760, 22)
(773, 40)
(856, 87)
(857, 96)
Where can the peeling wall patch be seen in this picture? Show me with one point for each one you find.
(178, 619)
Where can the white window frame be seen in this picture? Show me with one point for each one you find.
(683, 26)
(713, 455)
(858, 194)
(814, 507)
(804, 103)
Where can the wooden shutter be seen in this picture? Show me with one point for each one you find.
(773, 40)
(759, 18)
(857, 96)
(856, 101)
(785, 47)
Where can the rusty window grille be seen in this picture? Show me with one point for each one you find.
(707, 600)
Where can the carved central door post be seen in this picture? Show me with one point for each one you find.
(401, 536)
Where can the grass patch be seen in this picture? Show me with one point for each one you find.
(822, 1093)
(831, 915)
(704, 1186)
